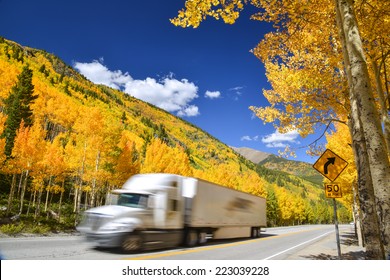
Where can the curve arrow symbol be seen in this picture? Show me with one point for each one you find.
(331, 160)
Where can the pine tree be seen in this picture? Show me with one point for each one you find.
(273, 210)
(17, 107)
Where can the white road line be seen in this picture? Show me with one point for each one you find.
(322, 235)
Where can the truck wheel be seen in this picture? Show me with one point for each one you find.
(191, 238)
(255, 232)
(131, 243)
(202, 238)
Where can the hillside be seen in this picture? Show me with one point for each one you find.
(301, 169)
(251, 154)
(297, 168)
(86, 139)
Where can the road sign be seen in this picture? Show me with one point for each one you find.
(333, 190)
(330, 165)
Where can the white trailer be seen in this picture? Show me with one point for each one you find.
(164, 210)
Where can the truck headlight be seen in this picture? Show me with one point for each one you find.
(118, 227)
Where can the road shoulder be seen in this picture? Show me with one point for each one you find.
(326, 248)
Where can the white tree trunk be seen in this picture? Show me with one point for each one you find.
(361, 90)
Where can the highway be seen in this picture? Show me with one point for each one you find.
(274, 244)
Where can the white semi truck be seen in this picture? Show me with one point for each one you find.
(153, 211)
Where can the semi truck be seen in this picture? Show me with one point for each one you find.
(155, 211)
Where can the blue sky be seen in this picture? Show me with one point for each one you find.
(206, 75)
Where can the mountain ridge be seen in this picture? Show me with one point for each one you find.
(253, 155)
(273, 162)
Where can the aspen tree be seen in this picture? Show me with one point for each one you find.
(28, 151)
(128, 162)
(361, 93)
(365, 188)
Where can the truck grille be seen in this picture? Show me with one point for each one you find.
(94, 221)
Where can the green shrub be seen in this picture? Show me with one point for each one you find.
(40, 229)
(12, 229)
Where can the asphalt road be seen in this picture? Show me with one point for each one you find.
(274, 244)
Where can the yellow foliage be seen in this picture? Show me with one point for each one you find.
(128, 163)
(160, 158)
(253, 184)
(8, 73)
(229, 175)
(197, 10)
(340, 142)
(29, 147)
(2, 140)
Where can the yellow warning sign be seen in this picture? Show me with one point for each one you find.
(330, 165)
(333, 190)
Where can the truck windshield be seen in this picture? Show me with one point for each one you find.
(128, 199)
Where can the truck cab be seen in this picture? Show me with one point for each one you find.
(146, 212)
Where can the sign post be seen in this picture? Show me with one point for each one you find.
(336, 225)
(330, 166)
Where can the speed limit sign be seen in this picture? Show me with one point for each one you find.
(333, 190)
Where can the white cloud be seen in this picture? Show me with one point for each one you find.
(278, 140)
(190, 111)
(168, 93)
(236, 89)
(248, 138)
(99, 74)
(212, 94)
(237, 92)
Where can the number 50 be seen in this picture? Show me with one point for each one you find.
(333, 188)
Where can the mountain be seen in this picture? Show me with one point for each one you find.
(298, 168)
(251, 154)
(270, 161)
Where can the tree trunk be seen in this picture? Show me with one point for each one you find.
(76, 194)
(370, 221)
(23, 191)
(80, 194)
(357, 217)
(86, 201)
(35, 194)
(46, 200)
(382, 102)
(38, 208)
(93, 192)
(47, 194)
(11, 194)
(79, 190)
(20, 183)
(29, 203)
(60, 203)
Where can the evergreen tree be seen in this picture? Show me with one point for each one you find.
(17, 107)
(273, 210)
(124, 117)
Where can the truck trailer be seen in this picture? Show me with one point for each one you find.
(154, 211)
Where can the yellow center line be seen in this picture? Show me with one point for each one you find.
(212, 247)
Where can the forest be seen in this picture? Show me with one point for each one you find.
(66, 142)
